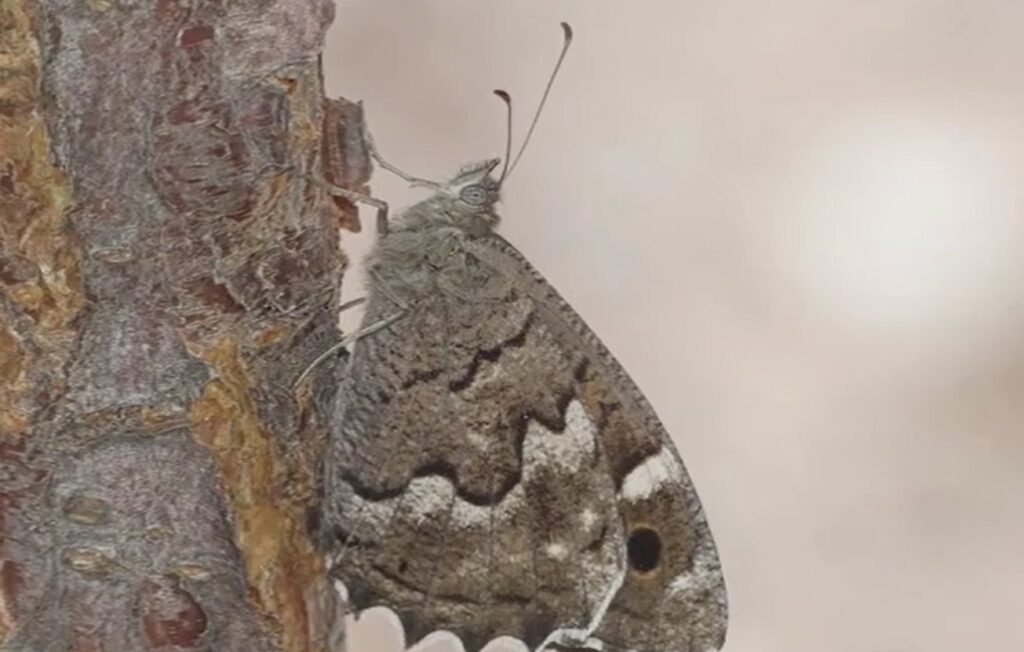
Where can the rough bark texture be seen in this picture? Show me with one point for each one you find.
(166, 273)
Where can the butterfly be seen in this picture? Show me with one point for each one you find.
(492, 470)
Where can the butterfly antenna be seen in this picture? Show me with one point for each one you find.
(507, 99)
(567, 41)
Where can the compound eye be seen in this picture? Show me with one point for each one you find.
(474, 195)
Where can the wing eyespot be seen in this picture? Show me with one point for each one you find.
(643, 549)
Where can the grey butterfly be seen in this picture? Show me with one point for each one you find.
(492, 469)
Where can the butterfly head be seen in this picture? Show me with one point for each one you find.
(471, 194)
(467, 200)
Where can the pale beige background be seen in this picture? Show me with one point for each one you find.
(800, 226)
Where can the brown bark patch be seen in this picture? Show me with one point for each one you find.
(171, 617)
(280, 560)
(40, 290)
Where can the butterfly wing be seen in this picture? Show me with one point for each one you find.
(495, 472)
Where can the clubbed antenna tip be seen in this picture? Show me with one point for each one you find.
(566, 42)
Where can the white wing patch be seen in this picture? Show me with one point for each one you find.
(705, 575)
(556, 551)
(588, 518)
(569, 449)
(427, 496)
(655, 471)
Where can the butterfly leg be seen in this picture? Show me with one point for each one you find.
(358, 198)
(351, 304)
(347, 340)
(405, 176)
(386, 290)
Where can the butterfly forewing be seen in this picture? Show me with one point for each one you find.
(495, 472)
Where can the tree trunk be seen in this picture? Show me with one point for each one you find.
(167, 271)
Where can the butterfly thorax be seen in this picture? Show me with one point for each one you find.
(429, 236)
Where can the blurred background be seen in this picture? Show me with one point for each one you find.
(800, 226)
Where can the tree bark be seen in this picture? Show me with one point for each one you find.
(167, 271)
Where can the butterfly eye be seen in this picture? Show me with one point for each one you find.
(644, 549)
(474, 195)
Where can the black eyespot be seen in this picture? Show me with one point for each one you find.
(644, 549)
(474, 195)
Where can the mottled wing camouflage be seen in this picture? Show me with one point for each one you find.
(496, 472)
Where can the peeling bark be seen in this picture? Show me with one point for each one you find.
(166, 273)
